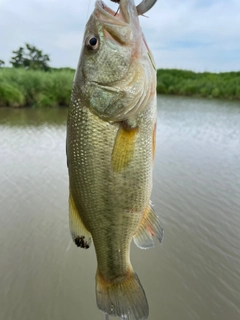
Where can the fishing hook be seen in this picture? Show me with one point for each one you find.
(143, 6)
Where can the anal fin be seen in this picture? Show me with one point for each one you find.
(149, 227)
(80, 235)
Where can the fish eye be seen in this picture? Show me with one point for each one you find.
(92, 42)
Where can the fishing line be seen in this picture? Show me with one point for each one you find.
(59, 285)
(88, 9)
(117, 11)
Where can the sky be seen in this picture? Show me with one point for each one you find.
(198, 35)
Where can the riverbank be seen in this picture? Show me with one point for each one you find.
(225, 85)
(21, 88)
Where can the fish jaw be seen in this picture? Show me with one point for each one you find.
(123, 27)
(127, 11)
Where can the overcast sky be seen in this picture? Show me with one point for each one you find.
(199, 35)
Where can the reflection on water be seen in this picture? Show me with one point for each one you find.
(195, 274)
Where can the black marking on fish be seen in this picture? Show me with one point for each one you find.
(80, 242)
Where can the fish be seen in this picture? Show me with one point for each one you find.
(110, 146)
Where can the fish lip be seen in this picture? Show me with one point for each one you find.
(103, 7)
(126, 13)
(108, 13)
(143, 7)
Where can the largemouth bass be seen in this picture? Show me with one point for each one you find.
(111, 137)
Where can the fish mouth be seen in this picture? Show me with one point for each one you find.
(126, 13)
(143, 7)
(127, 8)
(108, 10)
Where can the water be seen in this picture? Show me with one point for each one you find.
(194, 275)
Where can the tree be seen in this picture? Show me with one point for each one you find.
(1, 63)
(30, 58)
(18, 60)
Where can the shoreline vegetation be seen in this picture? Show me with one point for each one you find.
(22, 88)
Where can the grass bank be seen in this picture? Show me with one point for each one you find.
(20, 87)
(224, 85)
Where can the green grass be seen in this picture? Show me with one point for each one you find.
(224, 85)
(20, 87)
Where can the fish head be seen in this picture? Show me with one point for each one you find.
(110, 72)
(115, 39)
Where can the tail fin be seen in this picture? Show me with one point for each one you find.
(125, 298)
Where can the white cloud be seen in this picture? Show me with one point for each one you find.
(195, 36)
(192, 34)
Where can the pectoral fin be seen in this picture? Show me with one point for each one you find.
(81, 236)
(123, 150)
(149, 227)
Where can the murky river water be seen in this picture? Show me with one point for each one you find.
(194, 275)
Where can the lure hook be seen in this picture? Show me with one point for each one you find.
(143, 6)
